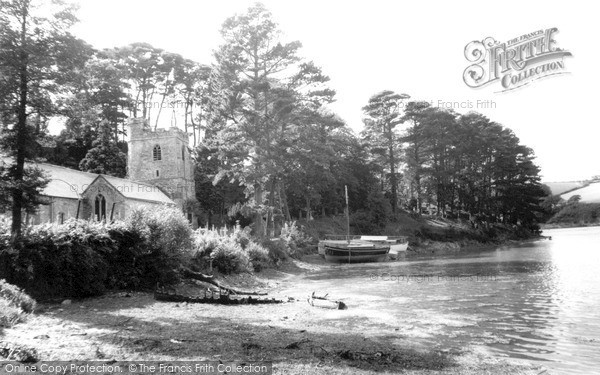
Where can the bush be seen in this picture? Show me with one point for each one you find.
(259, 256)
(126, 261)
(82, 259)
(9, 314)
(297, 242)
(229, 257)
(277, 248)
(230, 252)
(14, 304)
(65, 260)
(205, 241)
(168, 242)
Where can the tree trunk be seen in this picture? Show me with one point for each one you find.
(270, 215)
(259, 226)
(393, 179)
(283, 202)
(21, 136)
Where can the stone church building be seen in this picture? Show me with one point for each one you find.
(160, 172)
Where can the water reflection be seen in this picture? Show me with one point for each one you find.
(538, 301)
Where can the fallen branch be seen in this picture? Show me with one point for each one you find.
(214, 298)
(210, 280)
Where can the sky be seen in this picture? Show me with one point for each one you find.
(415, 47)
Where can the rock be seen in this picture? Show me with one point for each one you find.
(66, 302)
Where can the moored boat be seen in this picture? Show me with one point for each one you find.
(398, 244)
(355, 251)
(361, 248)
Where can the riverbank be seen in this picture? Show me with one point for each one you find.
(568, 225)
(295, 336)
(431, 234)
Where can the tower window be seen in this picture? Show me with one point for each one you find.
(182, 152)
(156, 153)
(157, 174)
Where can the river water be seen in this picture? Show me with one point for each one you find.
(538, 301)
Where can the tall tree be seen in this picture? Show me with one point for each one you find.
(191, 86)
(383, 114)
(264, 87)
(148, 72)
(416, 150)
(37, 56)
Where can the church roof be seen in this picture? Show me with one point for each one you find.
(70, 183)
(138, 190)
(65, 182)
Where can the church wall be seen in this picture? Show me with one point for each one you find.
(49, 213)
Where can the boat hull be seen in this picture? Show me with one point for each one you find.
(398, 249)
(355, 254)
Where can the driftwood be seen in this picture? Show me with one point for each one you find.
(214, 298)
(323, 302)
(209, 279)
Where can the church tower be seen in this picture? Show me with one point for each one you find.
(161, 158)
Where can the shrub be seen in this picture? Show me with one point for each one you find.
(14, 304)
(277, 249)
(296, 240)
(17, 297)
(205, 241)
(229, 257)
(242, 236)
(126, 260)
(60, 260)
(168, 242)
(9, 314)
(259, 256)
(82, 259)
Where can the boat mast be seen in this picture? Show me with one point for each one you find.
(347, 215)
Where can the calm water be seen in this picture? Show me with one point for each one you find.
(538, 301)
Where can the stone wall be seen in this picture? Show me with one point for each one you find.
(51, 213)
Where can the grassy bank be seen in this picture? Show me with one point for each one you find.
(428, 233)
(575, 214)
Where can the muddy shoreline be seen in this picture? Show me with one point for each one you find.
(296, 337)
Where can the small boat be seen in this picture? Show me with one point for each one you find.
(355, 251)
(361, 248)
(398, 244)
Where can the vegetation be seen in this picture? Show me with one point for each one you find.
(14, 304)
(577, 213)
(268, 149)
(37, 55)
(83, 259)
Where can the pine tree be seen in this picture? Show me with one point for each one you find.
(37, 55)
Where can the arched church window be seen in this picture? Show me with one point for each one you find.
(61, 218)
(156, 153)
(100, 207)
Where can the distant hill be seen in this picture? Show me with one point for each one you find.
(589, 193)
(558, 188)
